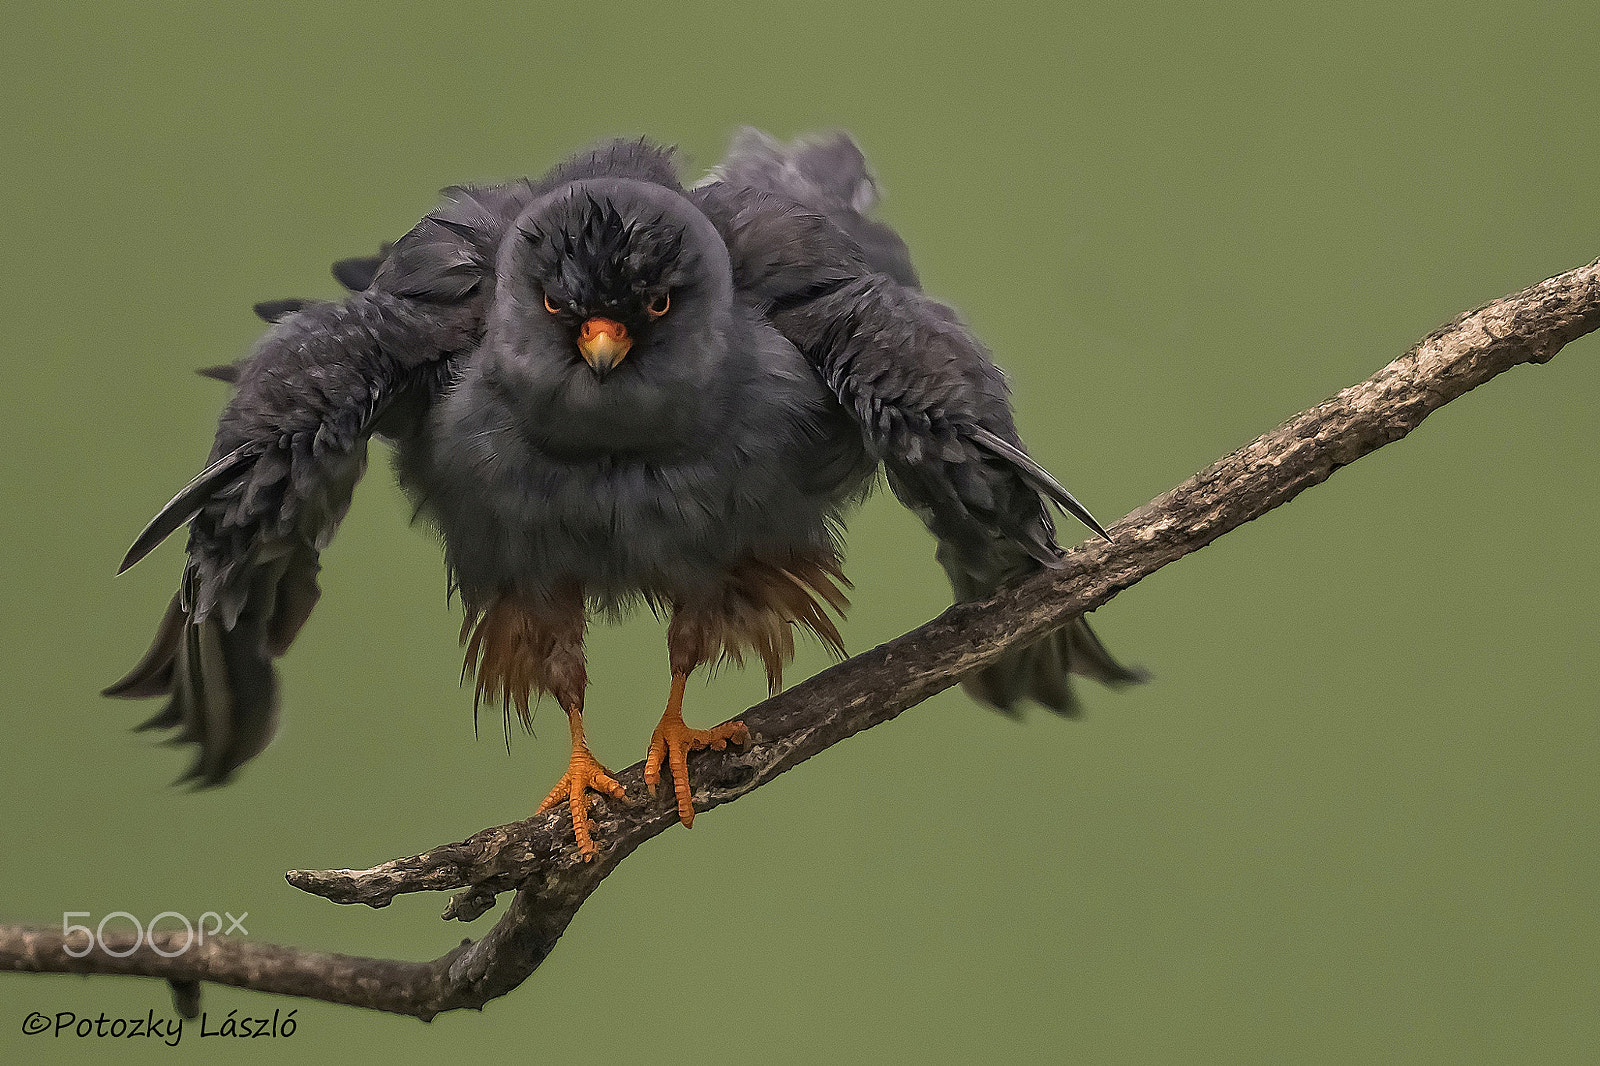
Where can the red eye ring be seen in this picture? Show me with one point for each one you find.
(548, 306)
(659, 306)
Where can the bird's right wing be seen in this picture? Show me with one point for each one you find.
(289, 449)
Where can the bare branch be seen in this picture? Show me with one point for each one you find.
(535, 857)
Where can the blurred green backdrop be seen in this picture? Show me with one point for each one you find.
(1354, 819)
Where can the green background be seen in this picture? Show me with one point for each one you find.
(1354, 818)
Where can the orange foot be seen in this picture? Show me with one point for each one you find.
(673, 741)
(584, 774)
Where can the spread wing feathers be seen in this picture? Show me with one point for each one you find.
(935, 410)
(277, 310)
(290, 448)
(782, 254)
(826, 174)
(224, 372)
(182, 507)
(1039, 479)
(356, 273)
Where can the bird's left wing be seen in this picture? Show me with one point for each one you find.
(935, 410)
(929, 402)
(289, 449)
(927, 397)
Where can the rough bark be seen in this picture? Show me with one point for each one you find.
(536, 858)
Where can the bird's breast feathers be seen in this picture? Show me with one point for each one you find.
(625, 490)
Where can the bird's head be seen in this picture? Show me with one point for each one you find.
(617, 273)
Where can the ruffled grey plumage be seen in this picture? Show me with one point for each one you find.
(798, 355)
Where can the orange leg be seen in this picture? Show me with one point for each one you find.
(584, 773)
(673, 741)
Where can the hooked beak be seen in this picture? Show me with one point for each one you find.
(603, 343)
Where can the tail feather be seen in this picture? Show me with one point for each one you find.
(1040, 672)
(1087, 657)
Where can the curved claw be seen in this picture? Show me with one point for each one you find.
(584, 775)
(672, 742)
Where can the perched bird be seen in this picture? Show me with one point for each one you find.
(607, 389)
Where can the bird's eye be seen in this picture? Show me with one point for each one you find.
(549, 305)
(658, 306)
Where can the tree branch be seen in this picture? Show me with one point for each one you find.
(536, 857)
